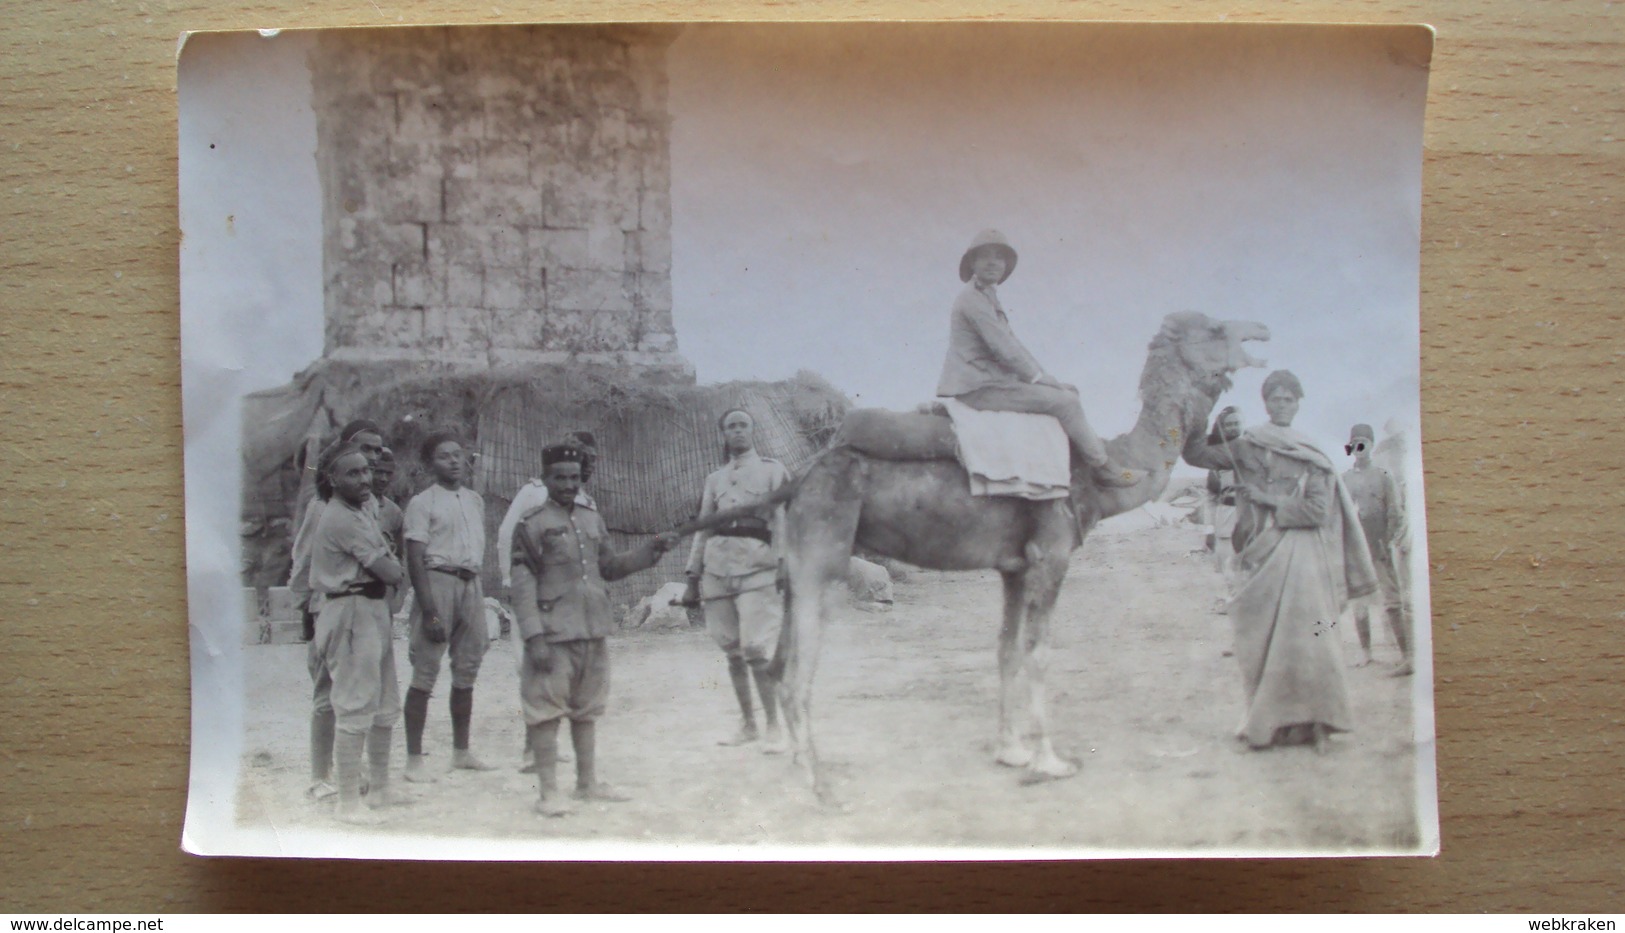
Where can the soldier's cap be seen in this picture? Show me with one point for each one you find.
(562, 453)
(1362, 430)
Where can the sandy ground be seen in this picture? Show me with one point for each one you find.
(1142, 692)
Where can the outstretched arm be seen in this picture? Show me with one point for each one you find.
(1197, 453)
(646, 555)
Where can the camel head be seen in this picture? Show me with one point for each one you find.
(1187, 368)
(1206, 352)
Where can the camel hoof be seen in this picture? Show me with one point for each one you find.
(1059, 770)
(1014, 756)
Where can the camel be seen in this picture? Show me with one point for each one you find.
(920, 511)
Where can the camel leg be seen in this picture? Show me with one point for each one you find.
(821, 524)
(1013, 750)
(1047, 559)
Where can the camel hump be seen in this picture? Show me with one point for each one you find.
(896, 435)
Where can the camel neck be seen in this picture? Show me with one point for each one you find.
(1167, 417)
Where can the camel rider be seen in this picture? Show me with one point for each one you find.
(988, 368)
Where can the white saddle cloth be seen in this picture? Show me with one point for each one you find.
(1011, 453)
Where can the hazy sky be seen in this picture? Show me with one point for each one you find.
(827, 178)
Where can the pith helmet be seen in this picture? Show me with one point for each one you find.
(988, 237)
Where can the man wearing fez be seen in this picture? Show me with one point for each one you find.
(534, 493)
(526, 498)
(1382, 518)
(561, 564)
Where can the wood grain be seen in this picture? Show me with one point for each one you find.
(1521, 325)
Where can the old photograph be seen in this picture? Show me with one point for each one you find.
(798, 441)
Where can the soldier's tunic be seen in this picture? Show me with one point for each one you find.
(1382, 517)
(737, 564)
(353, 642)
(526, 498)
(569, 607)
(321, 683)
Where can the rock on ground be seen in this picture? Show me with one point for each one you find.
(657, 612)
(869, 582)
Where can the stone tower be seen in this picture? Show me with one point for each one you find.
(497, 197)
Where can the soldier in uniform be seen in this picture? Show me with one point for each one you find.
(366, 437)
(529, 497)
(351, 567)
(737, 571)
(560, 567)
(1382, 518)
(444, 529)
(533, 494)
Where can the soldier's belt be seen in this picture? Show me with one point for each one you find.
(374, 589)
(745, 528)
(458, 572)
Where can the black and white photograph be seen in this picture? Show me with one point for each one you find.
(806, 441)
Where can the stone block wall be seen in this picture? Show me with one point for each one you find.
(497, 196)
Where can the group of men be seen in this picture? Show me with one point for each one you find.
(356, 552)
(1380, 501)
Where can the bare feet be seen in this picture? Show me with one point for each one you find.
(1013, 754)
(464, 760)
(776, 743)
(320, 790)
(1363, 659)
(385, 797)
(553, 805)
(417, 770)
(747, 734)
(1403, 670)
(1048, 766)
(602, 793)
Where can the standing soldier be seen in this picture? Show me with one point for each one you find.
(445, 548)
(366, 437)
(561, 608)
(1382, 518)
(737, 570)
(529, 497)
(351, 568)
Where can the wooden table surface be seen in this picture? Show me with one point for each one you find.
(1521, 343)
